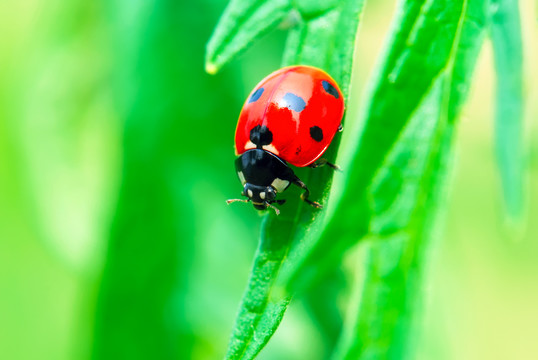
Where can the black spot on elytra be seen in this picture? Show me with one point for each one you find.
(260, 136)
(293, 102)
(316, 133)
(255, 95)
(329, 88)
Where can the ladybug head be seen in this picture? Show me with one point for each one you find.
(261, 197)
(262, 175)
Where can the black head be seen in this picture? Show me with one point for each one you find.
(259, 195)
(263, 175)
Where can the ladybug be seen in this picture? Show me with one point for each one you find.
(291, 116)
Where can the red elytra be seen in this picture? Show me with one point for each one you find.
(293, 113)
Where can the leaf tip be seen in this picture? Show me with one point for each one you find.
(211, 68)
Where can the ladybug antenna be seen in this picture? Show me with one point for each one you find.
(273, 207)
(229, 201)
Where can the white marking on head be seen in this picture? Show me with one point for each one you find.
(241, 177)
(280, 185)
(249, 192)
(262, 195)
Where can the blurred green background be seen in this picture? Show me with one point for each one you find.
(116, 157)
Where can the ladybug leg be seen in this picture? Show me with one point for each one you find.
(229, 201)
(273, 207)
(306, 194)
(279, 202)
(322, 162)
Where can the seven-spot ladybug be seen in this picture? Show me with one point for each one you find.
(291, 116)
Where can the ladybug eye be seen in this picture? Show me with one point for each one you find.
(293, 102)
(329, 88)
(256, 95)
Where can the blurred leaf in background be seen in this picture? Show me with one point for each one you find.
(111, 121)
(163, 289)
(58, 135)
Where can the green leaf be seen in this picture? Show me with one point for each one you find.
(322, 305)
(402, 199)
(241, 23)
(505, 29)
(323, 36)
(259, 313)
(405, 195)
(421, 48)
(145, 266)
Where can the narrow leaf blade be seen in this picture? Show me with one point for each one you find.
(405, 198)
(419, 52)
(242, 23)
(505, 29)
